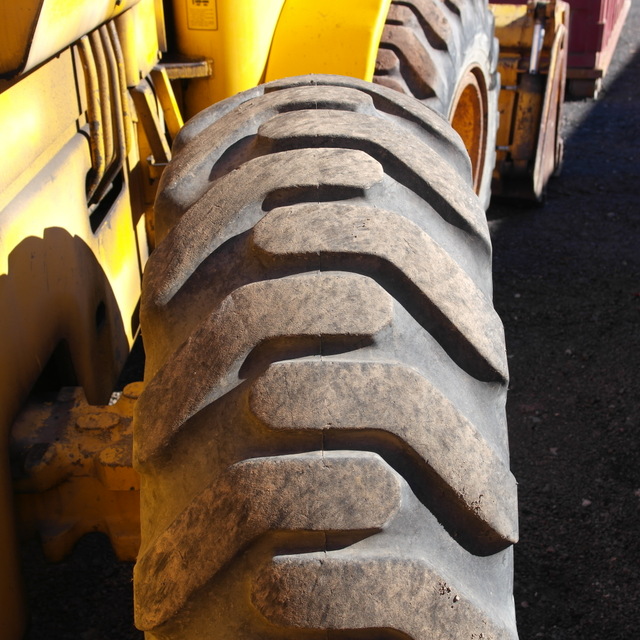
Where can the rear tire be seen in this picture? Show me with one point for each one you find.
(445, 55)
(322, 438)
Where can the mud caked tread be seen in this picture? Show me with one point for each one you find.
(325, 380)
(426, 49)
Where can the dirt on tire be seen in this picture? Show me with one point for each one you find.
(321, 438)
(567, 285)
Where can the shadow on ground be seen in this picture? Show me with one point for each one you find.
(567, 285)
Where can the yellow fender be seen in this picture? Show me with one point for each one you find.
(252, 41)
(327, 36)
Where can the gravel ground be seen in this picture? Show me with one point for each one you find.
(567, 285)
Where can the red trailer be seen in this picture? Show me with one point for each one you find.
(595, 29)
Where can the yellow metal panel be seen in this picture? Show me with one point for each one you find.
(17, 22)
(160, 25)
(514, 24)
(69, 272)
(167, 99)
(327, 36)
(235, 34)
(55, 271)
(58, 279)
(39, 29)
(30, 127)
(508, 67)
(138, 35)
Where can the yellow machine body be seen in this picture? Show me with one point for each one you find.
(330, 36)
(90, 100)
(67, 292)
(253, 41)
(529, 147)
(32, 32)
(72, 231)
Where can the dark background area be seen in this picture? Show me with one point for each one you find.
(567, 285)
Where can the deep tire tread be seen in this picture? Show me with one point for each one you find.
(318, 319)
(425, 50)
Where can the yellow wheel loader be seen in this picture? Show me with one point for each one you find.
(318, 446)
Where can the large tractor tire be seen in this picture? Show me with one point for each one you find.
(322, 439)
(445, 55)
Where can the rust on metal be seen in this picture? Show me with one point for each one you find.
(469, 119)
